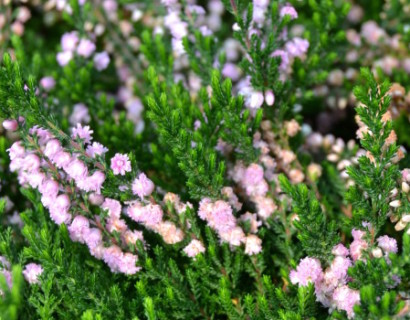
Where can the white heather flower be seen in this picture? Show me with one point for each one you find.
(253, 245)
(194, 248)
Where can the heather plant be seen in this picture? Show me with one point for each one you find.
(223, 159)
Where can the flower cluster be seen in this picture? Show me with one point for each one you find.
(332, 285)
(71, 44)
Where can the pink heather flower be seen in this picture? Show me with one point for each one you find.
(297, 47)
(110, 5)
(113, 207)
(253, 175)
(255, 100)
(43, 135)
(258, 189)
(101, 60)
(69, 41)
(169, 232)
(284, 58)
(405, 174)
(85, 48)
(52, 148)
(96, 181)
(91, 236)
(112, 257)
(62, 202)
(96, 199)
(253, 245)
(235, 236)
(23, 14)
(61, 159)
(194, 248)
(372, 33)
(91, 183)
(345, 299)
(149, 215)
(258, 15)
(205, 208)
(48, 83)
(358, 234)
(35, 179)
(387, 244)
(63, 58)
(340, 250)
(178, 29)
(288, 10)
(83, 133)
(339, 267)
(59, 216)
(4, 263)
(126, 264)
(31, 273)
(10, 125)
(269, 98)
(96, 149)
(131, 237)
(142, 186)
(31, 163)
(80, 114)
(76, 169)
(252, 218)
(356, 248)
(221, 218)
(308, 270)
(16, 150)
(120, 164)
(231, 70)
(49, 188)
(265, 206)
(79, 228)
(115, 224)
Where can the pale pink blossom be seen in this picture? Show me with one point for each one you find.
(83, 133)
(288, 10)
(253, 245)
(387, 244)
(63, 58)
(252, 220)
(85, 48)
(80, 114)
(101, 60)
(10, 125)
(48, 83)
(120, 164)
(169, 232)
(345, 299)
(31, 273)
(142, 186)
(76, 169)
(69, 41)
(79, 228)
(194, 248)
(308, 270)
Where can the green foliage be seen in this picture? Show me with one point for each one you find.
(317, 235)
(375, 176)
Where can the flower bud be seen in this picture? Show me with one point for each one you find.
(395, 203)
(405, 187)
(333, 157)
(406, 218)
(10, 125)
(400, 225)
(377, 252)
(269, 98)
